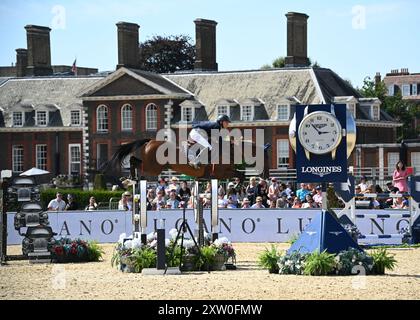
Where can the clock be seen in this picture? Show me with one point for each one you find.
(320, 133)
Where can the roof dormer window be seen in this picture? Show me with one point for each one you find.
(283, 112)
(223, 110)
(187, 114)
(18, 118)
(41, 118)
(375, 112)
(247, 113)
(75, 118)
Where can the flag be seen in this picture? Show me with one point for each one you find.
(74, 68)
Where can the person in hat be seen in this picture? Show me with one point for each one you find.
(196, 135)
(246, 204)
(231, 196)
(71, 204)
(57, 204)
(125, 204)
(174, 185)
(318, 196)
(258, 203)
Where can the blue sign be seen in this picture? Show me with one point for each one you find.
(321, 128)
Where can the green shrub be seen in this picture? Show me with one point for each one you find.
(269, 259)
(347, 260)
(95, 251)
(81, 197)
(207, 255)
(293, 263)
(143, 258)
(99, 182)
(383, 261)
(176, 256)
(319, 263)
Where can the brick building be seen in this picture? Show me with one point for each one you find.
(130, 103)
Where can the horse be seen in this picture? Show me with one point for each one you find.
(149, 166)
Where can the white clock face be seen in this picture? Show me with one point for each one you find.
(320, 132)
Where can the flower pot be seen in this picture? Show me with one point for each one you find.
(189, 262)
(219, 262)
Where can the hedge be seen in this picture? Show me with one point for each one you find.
(81, 197)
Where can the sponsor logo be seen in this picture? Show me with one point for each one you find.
(321, 171)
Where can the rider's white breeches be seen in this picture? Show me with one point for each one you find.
(197, 137)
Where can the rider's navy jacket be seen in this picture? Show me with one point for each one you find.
(206, 126)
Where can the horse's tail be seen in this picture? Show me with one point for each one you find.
(122, 152)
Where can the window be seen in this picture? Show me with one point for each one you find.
(187, 114)
(18, 119)
(151, 117)
(352, 109)
(406, 90)
(415, 89)
(393, 158)
(223, 111)
(41, 118)
(391, 90)
(75, 119)
(126, 117)
(74, 159)
(247, 113)
(17, 158)
(41, 156)
(376, 113)
(102, 118)
(102, 154)
(282, 153)
(415, 161)
(283, 112)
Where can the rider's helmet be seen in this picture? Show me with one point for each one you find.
(222, 118)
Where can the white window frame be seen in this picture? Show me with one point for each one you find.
(393, 158)
(72, 145)
(281, 153)
(38, 158)
(391, 90)
(17, 158)
(183, 109)
(126, 109)
(22, 114)
(37, 112)
(404, 88)
(352, 108)
(288, 112)
(415, 89)
(415, 161)
(151, 117)
(227, 113)
(98, 123)
(252, 113)
(79, 123)
(372, 112)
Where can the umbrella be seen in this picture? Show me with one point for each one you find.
(33, 172)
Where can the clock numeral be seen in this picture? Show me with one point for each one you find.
(308, 126)
(318, 118)
(320, 148)
(335, 132)
(311, 120)
(305, 133)
(307, 141)
(332, 125)
(328, 145)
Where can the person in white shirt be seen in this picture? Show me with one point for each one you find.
(125, 204)
(258, 204)
(57, 204)
(318, 196)
(363, 185)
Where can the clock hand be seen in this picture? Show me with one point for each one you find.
(324, 132)
(315, 128)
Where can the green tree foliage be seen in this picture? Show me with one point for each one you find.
(402, 110)
(280, 62)
(167, 54)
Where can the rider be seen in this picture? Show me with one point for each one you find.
(221, 123)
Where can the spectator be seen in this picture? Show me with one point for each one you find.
(162, 186)
(125, 204)
(92, 205)
(258, 203)
(174, 185)
(222, 202)
(262, 192)
(57, 204)
(251, 190)
(390, 201)
(232, 196)
(302, 192)
(310, 203)
(297, 203)
(363, 185)
(173, 202)
(318, 196)
(400, 176)
(389, 187)
(240, 191)
(246, 204)
(184, 191)
(221, 191)
(282, 202)
(151, 195)
(71, 204)
(358, 191)
(289, 189)
(290, 201)
(273, 191)
(400, 203)
(159, 202)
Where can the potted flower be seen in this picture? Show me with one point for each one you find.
(269, 259)
(382, 261)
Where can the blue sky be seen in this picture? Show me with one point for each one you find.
(354, 38)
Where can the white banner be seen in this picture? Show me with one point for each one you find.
(237, 225)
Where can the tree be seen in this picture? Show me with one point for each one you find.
(167, 54)
(402, 110)
(280, 62)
